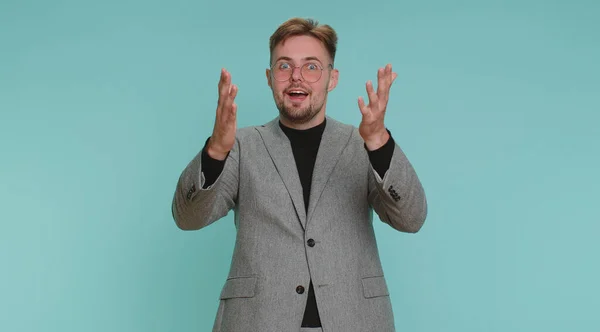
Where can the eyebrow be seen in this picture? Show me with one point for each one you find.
(304, 59)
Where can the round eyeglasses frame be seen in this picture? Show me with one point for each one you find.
(321, 68)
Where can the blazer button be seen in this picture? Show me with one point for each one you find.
(299, 289)
(311, 242)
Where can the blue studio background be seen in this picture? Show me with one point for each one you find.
(103, 103)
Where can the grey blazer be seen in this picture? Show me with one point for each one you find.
(279, 247)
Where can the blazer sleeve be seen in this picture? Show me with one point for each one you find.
(195, 204)
(398, 198)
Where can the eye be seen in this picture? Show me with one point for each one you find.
(284, 66)
(312, 66)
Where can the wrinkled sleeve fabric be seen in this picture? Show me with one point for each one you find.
(395, 191)
(206, 190)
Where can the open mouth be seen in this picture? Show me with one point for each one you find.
(297, 95)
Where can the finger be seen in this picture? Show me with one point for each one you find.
(224, 93)
(373, 100)
(225, 85)
(390, 76)
(221, 77)
(388, 79)
(221, 80)
(233, 90)
(233, 111)
(381, 77)
(393, 78)
(361, 105)
(231, 121)
(229, 101)
(224, 107)
(220, 99)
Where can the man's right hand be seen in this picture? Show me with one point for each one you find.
(223, 136)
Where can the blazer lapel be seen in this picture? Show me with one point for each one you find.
(334, 140)
(280, 151)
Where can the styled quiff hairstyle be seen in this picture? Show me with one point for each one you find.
(305, 27)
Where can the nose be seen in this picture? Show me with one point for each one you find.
(296, 74)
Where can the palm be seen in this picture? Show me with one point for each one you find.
(372, 125)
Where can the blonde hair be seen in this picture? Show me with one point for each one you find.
(305, 27)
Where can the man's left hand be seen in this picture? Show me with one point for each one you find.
(372, 129)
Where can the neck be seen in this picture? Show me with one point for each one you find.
(317, 120)
(284, 125)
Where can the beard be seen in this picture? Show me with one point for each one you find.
(295, 113)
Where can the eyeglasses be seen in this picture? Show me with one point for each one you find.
(310, 71)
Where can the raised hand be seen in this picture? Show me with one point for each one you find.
(223, 136)
(372, 128)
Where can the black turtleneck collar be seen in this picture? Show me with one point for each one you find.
(305, 137)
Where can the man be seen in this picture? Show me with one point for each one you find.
(303, 189)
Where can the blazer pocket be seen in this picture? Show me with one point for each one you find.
(374, 287)
(239, 287)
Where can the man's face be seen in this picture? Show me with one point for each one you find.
(298, 98)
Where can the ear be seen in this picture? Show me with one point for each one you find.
(268, 72)
(333, 79)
